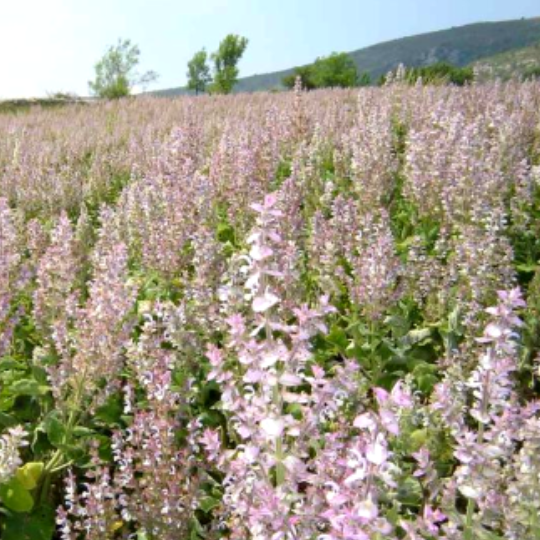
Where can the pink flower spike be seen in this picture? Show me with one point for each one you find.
(365, 421)
(290, 379)
(264, 302)
(401, 397)
(270, 200)
(259, 253)
(382, 395)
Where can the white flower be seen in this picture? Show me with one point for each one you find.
(272, 427)
(264, 302)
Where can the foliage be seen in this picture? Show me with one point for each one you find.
(364, 79)
(304, 315)
(436, 74)
(116, 74)
(226, 59)
(441, 73)
(306, 75)
(199, 72)
(532, 73)
(335, 71)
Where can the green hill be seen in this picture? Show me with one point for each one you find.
(461, 46)
(511, 63)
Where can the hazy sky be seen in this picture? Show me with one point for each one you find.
(52, 45)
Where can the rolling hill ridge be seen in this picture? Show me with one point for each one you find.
(462, 46)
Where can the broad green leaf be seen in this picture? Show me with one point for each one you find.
(39, 525)
(28, 387)
(28, 475)
(110, 413)
(55, 429)
(338, 338)
(417, 336)
(6, 420)
(208, 504)
(9, 363)
(81, 431)
(527, 268)
(15, 497)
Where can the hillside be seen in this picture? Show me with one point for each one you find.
(459, 45)
(511, 63)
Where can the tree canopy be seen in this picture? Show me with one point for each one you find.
(226, 60)
(335, 70)
(198, 74)
(116, 73)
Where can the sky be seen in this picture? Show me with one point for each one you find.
(49, 46)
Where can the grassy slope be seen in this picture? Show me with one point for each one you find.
(512, 63)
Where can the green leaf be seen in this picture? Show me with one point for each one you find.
(208, 504)
(81, 431)
(28, 387)
(419, 335)
(338, 338)
(527, 268)
(28, 475)
(55, 429)
(409, 493)
(39, 525)
(111, 412)
(9, 363)
(16, 497)
(6, 420)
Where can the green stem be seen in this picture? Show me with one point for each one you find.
(468, 533)
(280, 468)
(57, 463)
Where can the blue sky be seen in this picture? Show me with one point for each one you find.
(52, 45)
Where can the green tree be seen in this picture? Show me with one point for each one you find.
(199, 72)
(306, 76)
(364, 79)
(336, 70)
(226, 60)
(116, 72)
(441, 73)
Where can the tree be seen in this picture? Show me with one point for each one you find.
(364, 79)
(198, 72)
(336, 70)
(116, 73)
(306, 76)
(440, 73)
(226, 60)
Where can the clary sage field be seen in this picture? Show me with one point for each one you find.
(293, 316)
